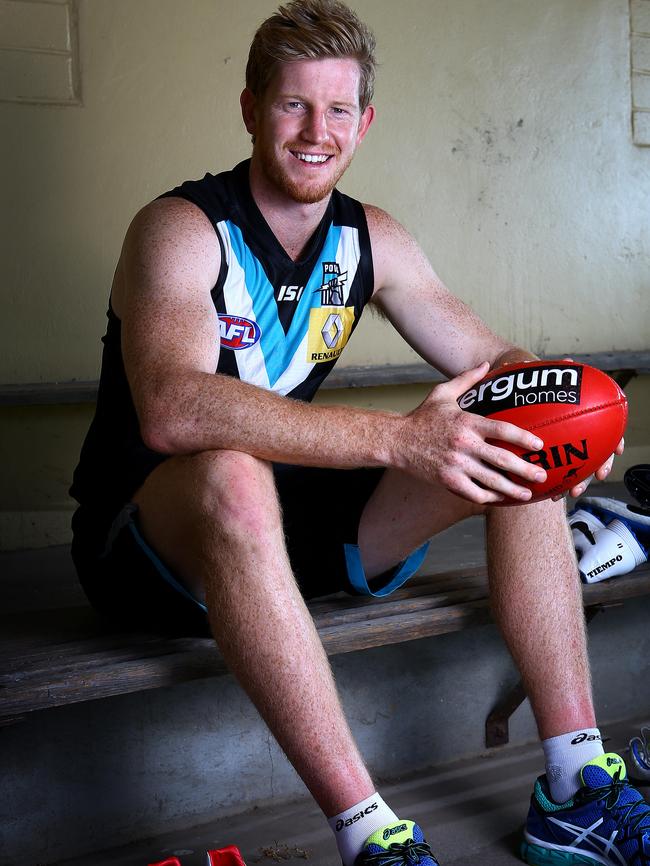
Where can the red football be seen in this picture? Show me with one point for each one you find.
(578, 411)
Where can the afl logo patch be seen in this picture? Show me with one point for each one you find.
(236, 332)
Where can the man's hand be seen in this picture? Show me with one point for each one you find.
(454, 447)
(600, 474)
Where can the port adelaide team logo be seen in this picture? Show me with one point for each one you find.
(534, 386)
(237, 332)
(331, 290)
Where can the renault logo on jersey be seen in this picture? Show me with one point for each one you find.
(329, 331)
(236, 332)
(332, 330)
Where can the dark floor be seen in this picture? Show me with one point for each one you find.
(472, 812)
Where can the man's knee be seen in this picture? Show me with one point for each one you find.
(235, 491)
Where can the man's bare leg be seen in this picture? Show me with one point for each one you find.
(215, 520)
(534, 586)
(401, 515)
(537, 602)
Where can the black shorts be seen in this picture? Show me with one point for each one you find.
(125, 579)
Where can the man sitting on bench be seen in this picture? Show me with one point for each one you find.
(211, 490)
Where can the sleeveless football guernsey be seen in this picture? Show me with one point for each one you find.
(283, 324)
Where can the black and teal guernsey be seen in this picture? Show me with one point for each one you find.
(283, 324)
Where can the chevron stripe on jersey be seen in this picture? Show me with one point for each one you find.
(280, 360)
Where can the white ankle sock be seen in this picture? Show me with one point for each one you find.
(352, 827)
(565, 756)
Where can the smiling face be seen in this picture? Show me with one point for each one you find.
(307, 126)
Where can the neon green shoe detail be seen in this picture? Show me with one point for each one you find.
(401, 843)
(610, 762)
(398, 833)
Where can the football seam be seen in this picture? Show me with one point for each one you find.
(576, 414)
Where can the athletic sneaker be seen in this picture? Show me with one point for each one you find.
(400, 844)
(640, 755)
(610, 537)
(583, 526)
(615, 551)
(606, 822)
(637, 481)
(636, 518)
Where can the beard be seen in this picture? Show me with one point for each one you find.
(301, 191)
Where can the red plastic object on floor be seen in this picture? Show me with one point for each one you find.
(228, 856)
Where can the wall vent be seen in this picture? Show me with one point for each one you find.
(640, 70)
(39, 52)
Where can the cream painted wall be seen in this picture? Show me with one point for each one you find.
(502, 142)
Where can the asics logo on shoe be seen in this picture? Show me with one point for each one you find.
(393, 831)
(586, 840)
(613, 762)
(585, 736)
(348, 822)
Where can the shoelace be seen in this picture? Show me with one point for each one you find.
(398, 854)
(628, 814)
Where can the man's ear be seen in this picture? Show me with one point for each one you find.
(364, 123)
(248, 104)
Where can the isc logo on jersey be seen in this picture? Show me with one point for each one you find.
(329, 331)
(236, 332)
